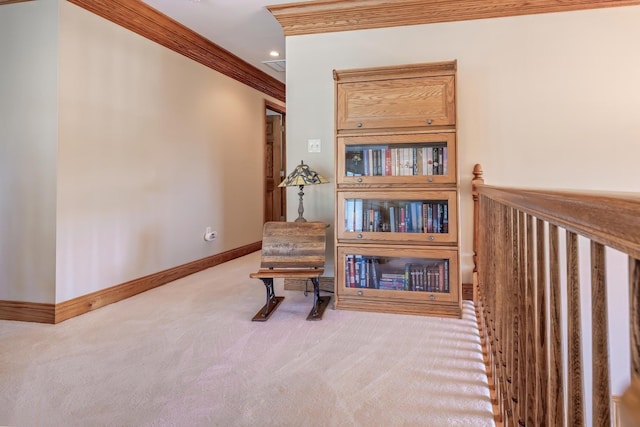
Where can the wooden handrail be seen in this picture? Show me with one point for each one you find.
(606, 218)
(518, 297)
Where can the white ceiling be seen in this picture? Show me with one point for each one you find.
(243, 27)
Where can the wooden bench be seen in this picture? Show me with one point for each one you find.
(296, 250)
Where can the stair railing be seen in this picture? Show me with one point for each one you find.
(517, 289)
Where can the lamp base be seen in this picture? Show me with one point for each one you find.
(300, 207)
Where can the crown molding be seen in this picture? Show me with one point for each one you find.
(3, 2)
(324, 16)
(146, 21)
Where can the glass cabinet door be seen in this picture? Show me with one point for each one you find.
(412, 159)
(403, 216)
(393, 273)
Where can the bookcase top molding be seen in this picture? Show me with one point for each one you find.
(325, 16)
(396, 71)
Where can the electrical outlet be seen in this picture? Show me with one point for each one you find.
(314, 145)
(210, 235)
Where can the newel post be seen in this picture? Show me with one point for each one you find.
(478, 179)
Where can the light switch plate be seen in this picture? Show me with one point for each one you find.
(314, 145)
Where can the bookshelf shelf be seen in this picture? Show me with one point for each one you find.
(412, 159)
(396, 190)
(398, 216)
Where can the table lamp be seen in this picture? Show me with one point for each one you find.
(300, 177)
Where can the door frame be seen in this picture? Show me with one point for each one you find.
(282, 110)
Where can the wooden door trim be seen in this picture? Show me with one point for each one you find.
(275, 107)
(281, 109)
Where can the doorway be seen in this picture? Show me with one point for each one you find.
(275, 201)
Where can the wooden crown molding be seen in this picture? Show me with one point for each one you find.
(324, 16)
(2, 2)
(146, 21)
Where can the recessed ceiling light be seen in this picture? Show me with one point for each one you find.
(274, 53)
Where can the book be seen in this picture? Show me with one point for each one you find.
(358, 215)
(436, 165)
(429, 161)
(407, 276)
(371, 220)
(354, 165)
(387, 162)
(445, 218)
(349, 215)
(391, 281)
(392, 219)
(363, 272)
(408, 161)
(445, 161)
(351, 271)
(414, 164)
(424, 161)
(446, 275)
(374, 274)
(407, 217)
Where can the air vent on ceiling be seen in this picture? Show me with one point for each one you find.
(276, 64)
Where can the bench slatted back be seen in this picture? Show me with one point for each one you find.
(293, 245)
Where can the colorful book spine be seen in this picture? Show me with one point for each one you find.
(358, 215)
(392, 219)
(445, 161)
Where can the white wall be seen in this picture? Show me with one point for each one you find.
(549, 101)
(154, 147)
(28, 128)
(543, 100)
(115, 155)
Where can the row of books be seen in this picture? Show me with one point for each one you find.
(369, 272)
(396, 216)
(398, 161)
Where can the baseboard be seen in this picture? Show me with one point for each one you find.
(27, 311)
(56, 313)
(326, 284)
(467, 291)
(616, 416)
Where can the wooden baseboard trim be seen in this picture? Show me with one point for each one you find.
(56, 313)
(467, 291)
(83, 304)
(326, 284)
(27, 311)
(616, 416)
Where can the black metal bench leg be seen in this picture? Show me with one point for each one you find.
(272, 302)
(319, 303)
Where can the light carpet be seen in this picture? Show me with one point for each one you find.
(187, 354)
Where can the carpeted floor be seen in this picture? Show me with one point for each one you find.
(187, 354)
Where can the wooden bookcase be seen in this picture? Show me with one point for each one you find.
(397, 190)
